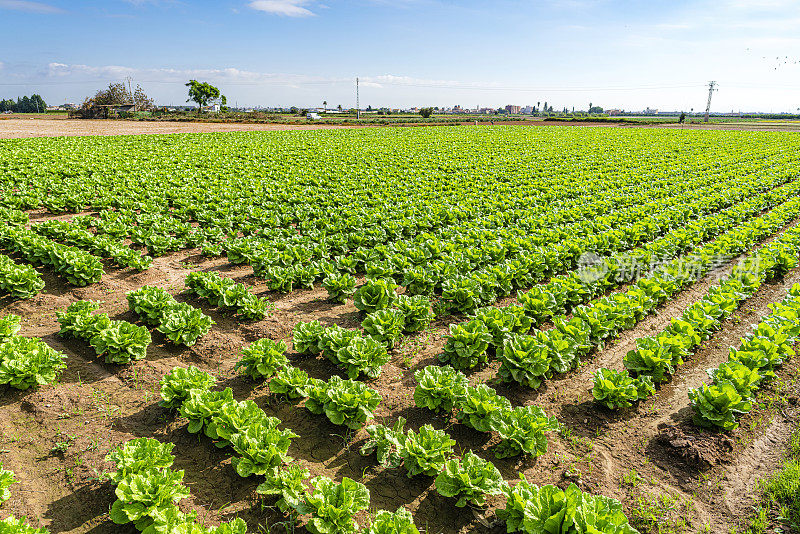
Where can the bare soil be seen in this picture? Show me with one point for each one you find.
(17, 128)
(56, 438)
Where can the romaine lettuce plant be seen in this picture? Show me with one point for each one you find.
(260, 447)
(385, 326)
(307, 337)
(385, 442)
(425, 452)
(290, 381)
(145, 495)
(718, 405)
(522, 430)
(400, 522)
(6, 479)
(177, 385)
(333, 506)
(478, 405)
(469, 480)
(362, 355)
(203, 405)
(262, 358)
(287, 482)
(439, 388)
(138, 455)
(340, 286)
(617, 389)
(29, 362)
(416, 310)
(376, 294)
(523, 359)
(345, 402)
(466, 345)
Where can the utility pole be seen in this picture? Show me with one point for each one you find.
(711, 88)
(358, 102)
(131, 93)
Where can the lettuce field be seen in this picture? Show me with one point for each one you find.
(437, 330)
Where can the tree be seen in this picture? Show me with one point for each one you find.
(595, 109)
(118, 94)
(202, 93)
(340, 107)
(325, 105)
(426, 112)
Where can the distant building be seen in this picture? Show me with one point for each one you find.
(527, 110)
(614, 112)
(649, 111)
(514, 110)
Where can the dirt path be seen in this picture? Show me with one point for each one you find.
(17, 128)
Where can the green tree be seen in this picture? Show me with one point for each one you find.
(202, 93)
(426, 112)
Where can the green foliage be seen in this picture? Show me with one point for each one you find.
(385, 442)
(363, 355)
(307, 337)
(340, 286)
(176, 386)
(236, 418)
(743, 378)
(290, 381)
(416, 310)
(227, 294)
(376, 294)
(617, 389)
(333, 506)
(119, 341)
(522, 430)
(13, 525)
(503, 322)
(479, 404)
(262, 358)
(523, 359)
(466, 345)
(530, 508)
(29, 362)
(260, 447)
(203, 405)
(287, 482)
(469, 480)
(138, 455)
(344, 402)
(145, 495)
(202, 93)
(19, 281)
(425, 452)
(184, 324)
(6, 479)
(180, 322)
(439, 388)
(399, 522)
(718, 405)
(385, 326)
(9, 326)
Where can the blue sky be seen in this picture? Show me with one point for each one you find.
(613, 53)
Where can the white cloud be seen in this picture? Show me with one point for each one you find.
(287, 8)
(30, 7)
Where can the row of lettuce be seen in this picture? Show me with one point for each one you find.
(510, 260)
(528, 358)
(657, 357)
(486, 264)
(261, 449)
